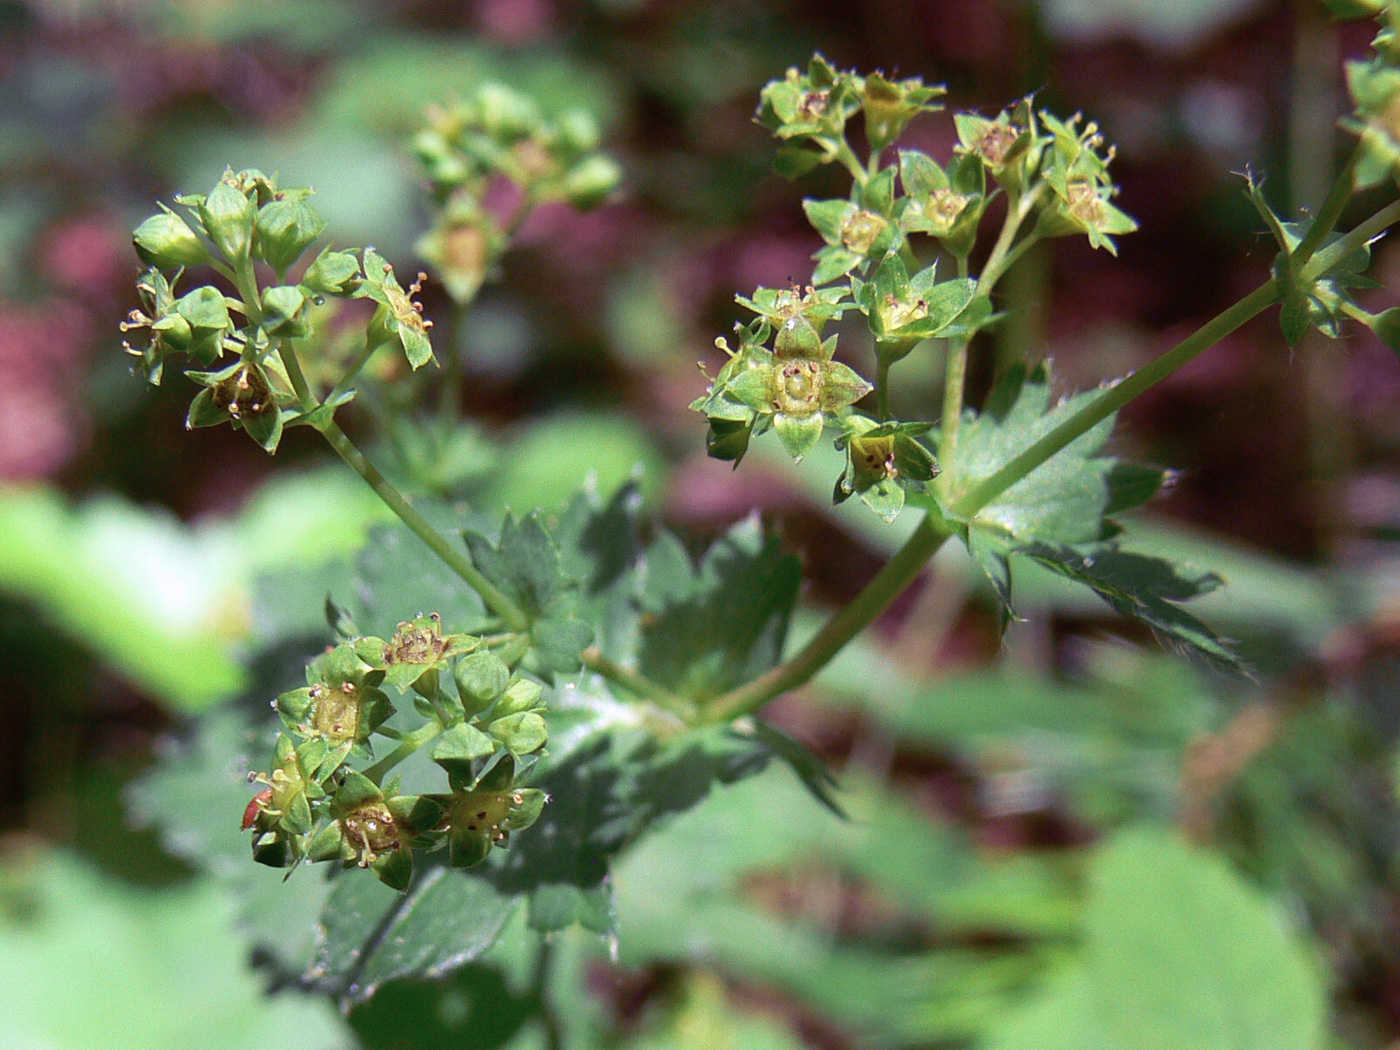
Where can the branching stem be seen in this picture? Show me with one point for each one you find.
(929, 535)
(408, 743)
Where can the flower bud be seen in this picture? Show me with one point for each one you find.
(507, 115)
(166, 241)
(482, 819)
(284, 314)
(333, 273)
(592, 181)
(228, 217)
(480, 678)
(284, 229)
(521, 734)
(206, 312)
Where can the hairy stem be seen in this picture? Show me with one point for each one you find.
(900, 571)
(1329, 211)
(292, 364)
(408, 743)
(882, 386)
(514, 617)
(847, 158)
(954, 382)
(637, 684)
(1115, 397)
(929, 535)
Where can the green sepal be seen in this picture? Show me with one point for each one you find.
(329, 844)
(228, 216)
(265, 428)
(394, 868)
(877, 195)
(524, 813)
(522, 694)
(799, 434)
(333, 273)
(467, 849)
(293, 706)
(834, 262)
(459, 747)
(499, 775)
(284, 315)
(728, 439)
(283, 230)
(206, 311)
(297, 818)
(481, 677)
(521, 734)
(272, 849)
(418, 818)
(828, 218)
(166, 241)
(204, 412)
(355, 791)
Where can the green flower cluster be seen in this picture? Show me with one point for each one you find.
(1375, 92)
(782, 375)
(501, 135)
(245, 224)
(486, 726)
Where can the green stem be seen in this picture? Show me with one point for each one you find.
(408, 743)
(514, 617)
(637, 684)
(1115, 397)
(292, 364)
(514, 651)
(900, 571)
(929, 535)
(1008, 260)
(356, 366)
(1355, 239)
(882, 385)
(1016, 213)
(848, 160)
(247, 284)
(954, 382)
(1329, 212)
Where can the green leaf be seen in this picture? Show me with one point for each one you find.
(1145, 589)
(1057, 513)
(1064, 498)
(526, 565)
(374, 934)
(719, 623)
(1182, 954)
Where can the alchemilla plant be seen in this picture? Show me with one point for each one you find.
(579, 682)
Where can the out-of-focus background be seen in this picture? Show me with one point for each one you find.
(130, 550)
